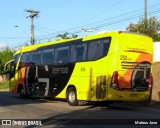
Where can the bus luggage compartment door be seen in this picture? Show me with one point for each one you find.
(101, 87)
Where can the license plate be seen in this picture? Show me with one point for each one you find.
(133, 95)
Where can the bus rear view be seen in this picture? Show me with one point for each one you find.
(132, 78)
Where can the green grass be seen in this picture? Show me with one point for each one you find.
(4, 85)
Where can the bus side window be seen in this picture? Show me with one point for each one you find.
(73, 53)
(92, 50)
(106, 46)
(81, 51)
(98, 49)
(48, 56)
(62, 54)
(36, 57)
(25, 59)
(15, 58)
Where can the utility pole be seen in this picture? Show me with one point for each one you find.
(32, 15)
(145, 14)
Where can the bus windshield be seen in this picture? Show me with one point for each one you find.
(15, 58)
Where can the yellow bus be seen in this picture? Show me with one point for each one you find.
(111, 66)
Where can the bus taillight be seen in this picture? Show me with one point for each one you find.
(114, 81)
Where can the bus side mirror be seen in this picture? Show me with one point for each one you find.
(5, 68)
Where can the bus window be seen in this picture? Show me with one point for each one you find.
(15, 58)
(106, 46)
(92, 50)
(25, 57)
(48, 56)
(13, 64)
(73, 53)
(36, 57)
(63, 55)
(97, 49)
(81, 51)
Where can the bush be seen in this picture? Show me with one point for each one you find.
(4, 85)
(5, 56)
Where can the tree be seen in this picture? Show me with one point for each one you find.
(74, 36)
(65, 36)
(1, 67)
(5, 56)
(149, 26)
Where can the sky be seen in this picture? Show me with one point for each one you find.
(60, 16)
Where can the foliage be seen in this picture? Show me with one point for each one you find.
(4, 85)
(149, 26)
(65, 36)
(5, 56)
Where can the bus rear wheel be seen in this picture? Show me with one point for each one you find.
(72, 96)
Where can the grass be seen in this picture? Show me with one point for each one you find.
(4, 85)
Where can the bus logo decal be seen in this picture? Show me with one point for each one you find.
(61, 70)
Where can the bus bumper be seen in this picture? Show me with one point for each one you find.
(128, 96)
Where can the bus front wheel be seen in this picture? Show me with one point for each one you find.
(72, 96)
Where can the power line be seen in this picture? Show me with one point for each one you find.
(124, 14)
(99, 13)
(54, 5)
(107, 24)
(93, 25)
(122, 20)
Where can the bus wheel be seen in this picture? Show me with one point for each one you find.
(72, 96)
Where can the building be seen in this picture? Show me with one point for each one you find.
(156, 52)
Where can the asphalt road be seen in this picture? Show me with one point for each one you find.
(60, 113)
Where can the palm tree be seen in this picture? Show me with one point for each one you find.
(74, 36)
(65, 36)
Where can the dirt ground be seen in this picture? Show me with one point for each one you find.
(156, 82)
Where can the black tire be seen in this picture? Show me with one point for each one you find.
(148, 102)
(150, 96)
(72, 96)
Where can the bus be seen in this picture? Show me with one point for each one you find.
(111, 66)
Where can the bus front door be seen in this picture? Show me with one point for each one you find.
(37, 81)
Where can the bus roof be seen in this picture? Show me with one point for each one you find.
(85, 38)
(34, 47)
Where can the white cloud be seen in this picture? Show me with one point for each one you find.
(2, 46)
(103, 31)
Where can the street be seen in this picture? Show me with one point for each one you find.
(59, 112)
